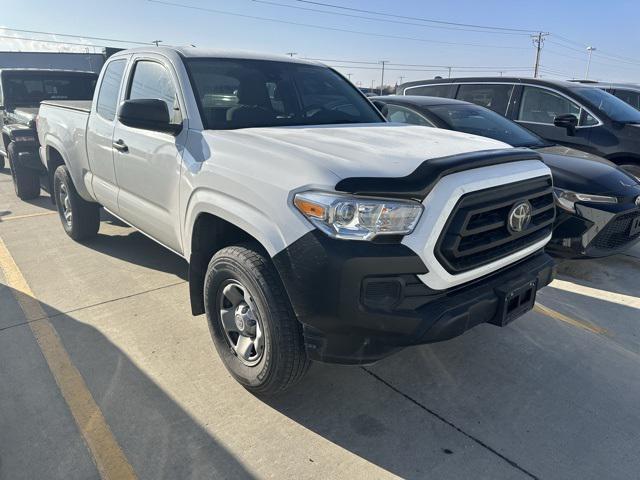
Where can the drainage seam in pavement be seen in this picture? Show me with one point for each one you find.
(92, 305)
(451, 424)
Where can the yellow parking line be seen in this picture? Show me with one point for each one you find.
(108, 456)
(619, 298)
(571, 321)
(18, 217)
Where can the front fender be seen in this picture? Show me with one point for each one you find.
(249, 218)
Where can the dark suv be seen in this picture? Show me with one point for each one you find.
(572, 114)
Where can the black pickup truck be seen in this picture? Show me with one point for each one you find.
(21, 91)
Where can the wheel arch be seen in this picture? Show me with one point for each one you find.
(210, 233)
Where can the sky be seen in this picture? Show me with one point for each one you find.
(414, 48)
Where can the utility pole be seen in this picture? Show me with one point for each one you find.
(449, 68)
(156, 42)
(401, 78)
(383, 62)
(349, 76)
(590, 50)
(291, 54)
(538, 41)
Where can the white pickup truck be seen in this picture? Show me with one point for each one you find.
(314, 229)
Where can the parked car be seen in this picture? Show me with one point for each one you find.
(627, 92)
(571, 114)
(598, 203)
(313, 228)
(21, 91)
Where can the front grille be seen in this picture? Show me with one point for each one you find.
(477, 231)
(616, 234)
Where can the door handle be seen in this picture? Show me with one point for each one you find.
(121, 146)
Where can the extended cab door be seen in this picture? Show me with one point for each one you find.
(147, 163)
(100, 128)
(538, 107)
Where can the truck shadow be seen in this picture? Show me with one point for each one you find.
(159, 438)
(127, 244)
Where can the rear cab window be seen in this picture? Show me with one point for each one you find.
(29, 88)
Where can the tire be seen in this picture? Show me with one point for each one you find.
(632, 169)
(26, 181)
(282, 361)
(80, 219)
(2, 162)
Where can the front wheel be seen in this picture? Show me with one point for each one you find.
(80, 219)
(252, 323)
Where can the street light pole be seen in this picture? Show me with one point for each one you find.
(590, 50)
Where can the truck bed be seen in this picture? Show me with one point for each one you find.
(80, 105)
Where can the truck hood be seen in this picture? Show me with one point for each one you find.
(374, 150)
(589, 174)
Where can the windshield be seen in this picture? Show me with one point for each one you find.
(486, 123)
(30, 88)
(613, 107)
(257, 93)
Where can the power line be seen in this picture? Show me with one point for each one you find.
(88, 45)
(397, 22)
(333, 29)
(428, 20)
(413, 64)
(75, 36)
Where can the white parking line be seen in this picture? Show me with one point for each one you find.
(619, 298)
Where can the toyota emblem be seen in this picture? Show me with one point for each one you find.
(519, 217)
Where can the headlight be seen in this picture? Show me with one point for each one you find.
(358, 218)
(567, 199)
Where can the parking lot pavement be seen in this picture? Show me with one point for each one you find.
(554, 395)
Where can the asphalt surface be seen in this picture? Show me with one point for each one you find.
(555, 395)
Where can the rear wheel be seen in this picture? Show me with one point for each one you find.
(80, 219)
(2, 162)
(252, 323)
(632, 169)
(26, 181)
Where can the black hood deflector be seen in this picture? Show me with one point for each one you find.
(421, 181)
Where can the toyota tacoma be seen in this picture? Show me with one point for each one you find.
(313, 228)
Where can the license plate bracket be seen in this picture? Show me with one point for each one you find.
(515, 301)
(635, 227)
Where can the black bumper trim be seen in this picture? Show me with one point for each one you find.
(326, 281)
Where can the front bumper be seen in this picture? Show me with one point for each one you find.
(361, 301)
(595, 230)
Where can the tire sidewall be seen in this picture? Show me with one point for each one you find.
(61, 176)
(221, 269)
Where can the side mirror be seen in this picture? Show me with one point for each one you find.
(568, 121)
(382, 107)
(147, 114)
